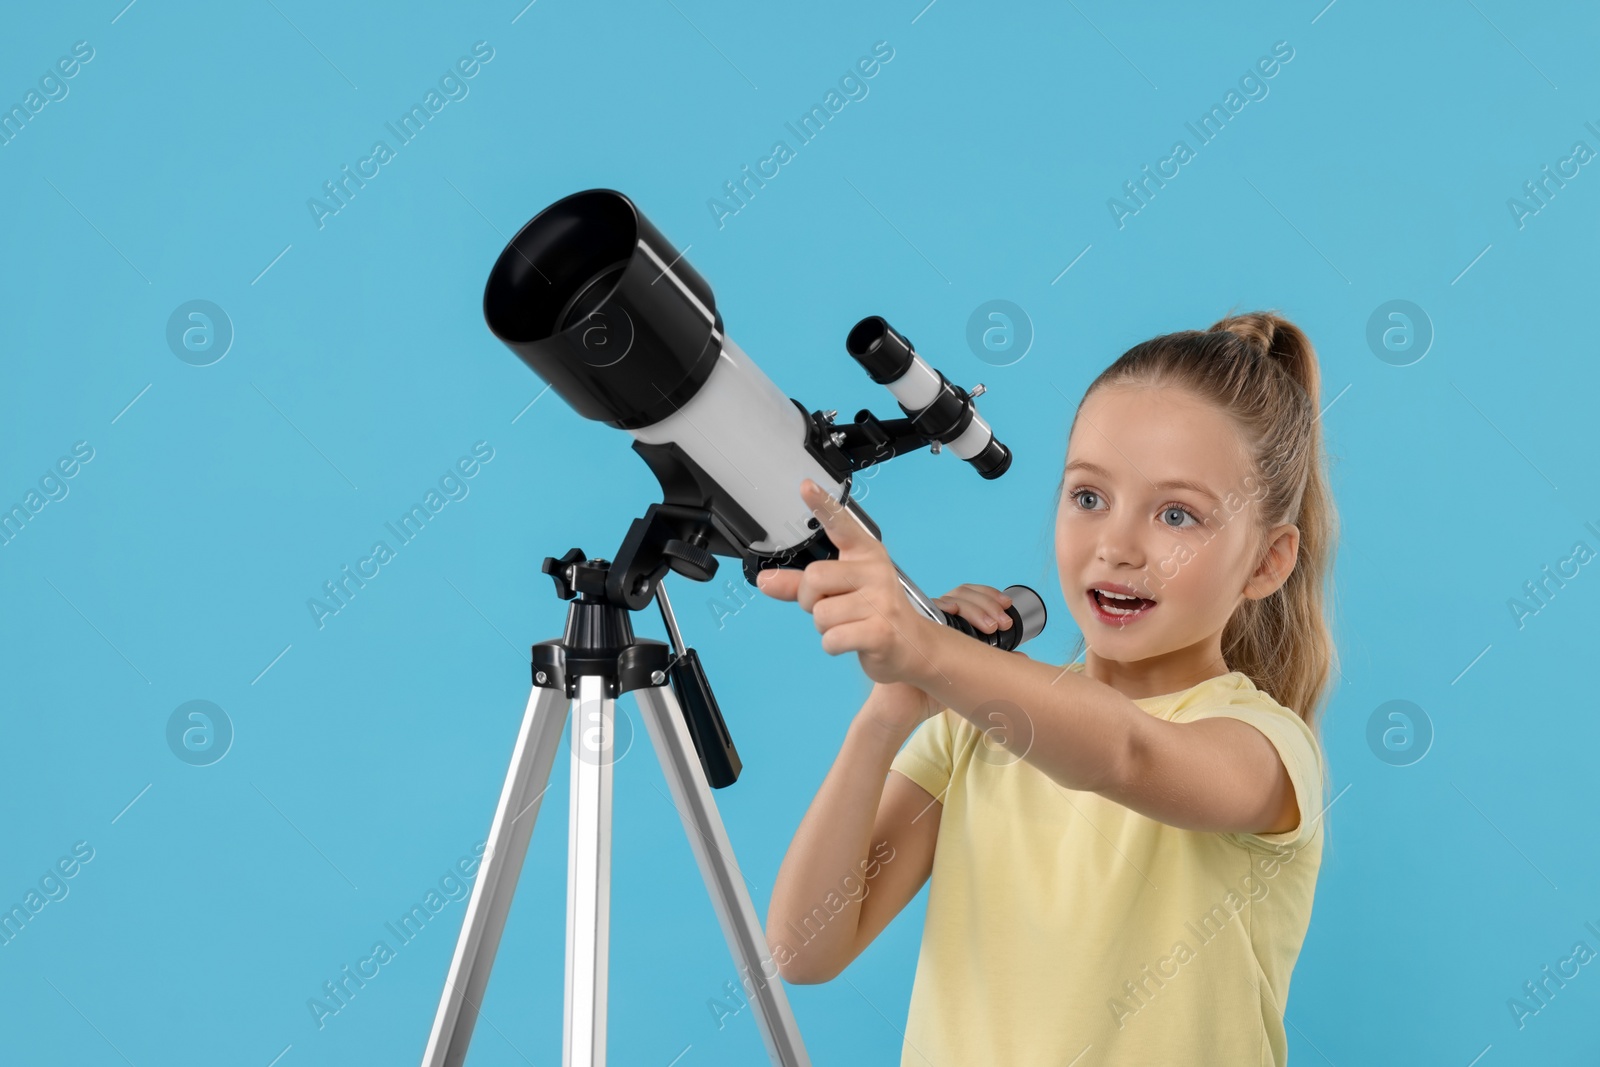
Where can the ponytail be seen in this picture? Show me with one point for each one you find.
(1283, 642)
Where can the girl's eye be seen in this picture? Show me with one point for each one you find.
(1180, 510)
(1079, 494)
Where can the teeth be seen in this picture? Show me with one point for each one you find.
(1112, 609)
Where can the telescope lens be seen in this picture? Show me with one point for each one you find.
(564, 253)
(599, 304)
(590, 296)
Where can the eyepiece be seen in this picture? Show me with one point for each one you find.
(880, 349)
(1028, 617)
(1027, 611)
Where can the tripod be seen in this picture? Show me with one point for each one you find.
(598, 658)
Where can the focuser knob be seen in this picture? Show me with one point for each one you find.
(691, 561)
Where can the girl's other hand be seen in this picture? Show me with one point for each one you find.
(983, 606)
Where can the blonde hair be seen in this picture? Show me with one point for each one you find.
(1261, 369)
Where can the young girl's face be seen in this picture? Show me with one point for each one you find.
(1127, 525)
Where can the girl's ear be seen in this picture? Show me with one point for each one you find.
(1277, 562)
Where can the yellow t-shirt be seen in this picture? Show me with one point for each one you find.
(1064, 928)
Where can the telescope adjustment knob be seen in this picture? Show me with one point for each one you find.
(560, 571)
(691, 561)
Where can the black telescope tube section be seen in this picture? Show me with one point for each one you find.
(599, 304)
(880, 349)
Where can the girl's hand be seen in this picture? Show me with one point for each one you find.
(856, 600)
(982, 605)
(899, 707)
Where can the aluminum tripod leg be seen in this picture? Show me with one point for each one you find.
(589, 876)
(583, 1035)
(691, 795)
(537, 742)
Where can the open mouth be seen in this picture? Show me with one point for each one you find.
(1117, 609)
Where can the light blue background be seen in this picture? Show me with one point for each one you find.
(368, 757)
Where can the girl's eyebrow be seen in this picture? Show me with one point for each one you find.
(1171, 483)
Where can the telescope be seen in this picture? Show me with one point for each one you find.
(600, 305)
(593, 298)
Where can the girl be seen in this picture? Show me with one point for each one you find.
(1124, 850)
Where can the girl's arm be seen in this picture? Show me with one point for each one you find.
(1218, 774)
(863, 821)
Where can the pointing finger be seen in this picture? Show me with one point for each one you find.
(842, 528)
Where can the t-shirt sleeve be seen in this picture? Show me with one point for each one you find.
(1297, 747)
(927, 757)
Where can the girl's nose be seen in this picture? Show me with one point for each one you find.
(1116, 555)
(1119, 543)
